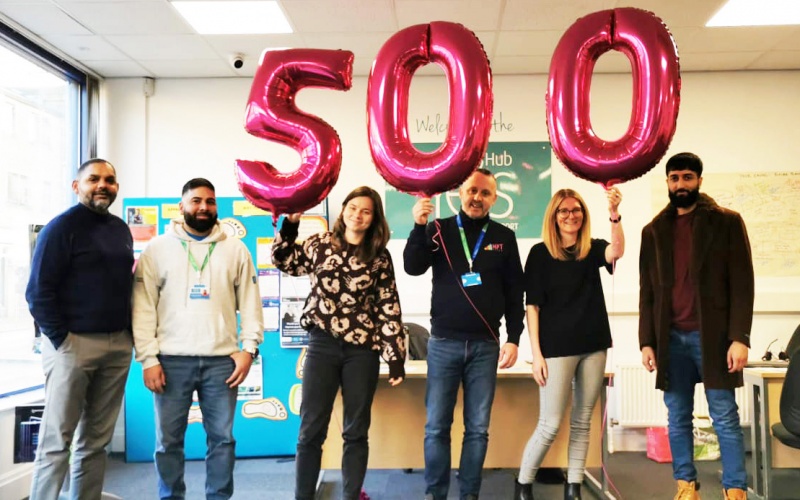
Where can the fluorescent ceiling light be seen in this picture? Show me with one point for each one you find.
(234, 18)
(757, 13)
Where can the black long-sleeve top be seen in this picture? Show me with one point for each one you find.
(500, 293)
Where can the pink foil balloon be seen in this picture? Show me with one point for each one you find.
(646, 41)
(271, 114)
(469, 78)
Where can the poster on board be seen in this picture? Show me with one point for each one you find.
(523, 174)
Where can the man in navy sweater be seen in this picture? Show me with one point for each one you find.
(477, 280)
(79, 293)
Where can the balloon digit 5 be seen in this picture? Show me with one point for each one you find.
(271, 114)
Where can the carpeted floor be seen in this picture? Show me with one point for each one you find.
(633, 475)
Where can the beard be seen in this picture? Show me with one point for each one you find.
(100, 206)
(685, 199)
(200, 225)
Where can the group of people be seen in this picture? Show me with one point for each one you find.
(696, 305)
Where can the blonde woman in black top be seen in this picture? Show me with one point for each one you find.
(568, 327)
(353, 315)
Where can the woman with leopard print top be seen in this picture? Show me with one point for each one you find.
(353, 316)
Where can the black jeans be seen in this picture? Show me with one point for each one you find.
(331, 363)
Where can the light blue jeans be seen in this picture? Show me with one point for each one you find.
(685, 370)
(451, 363)
(206, 375)
(578, 376)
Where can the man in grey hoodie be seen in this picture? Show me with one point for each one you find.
(188, 286)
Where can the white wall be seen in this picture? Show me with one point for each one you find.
(736, 122)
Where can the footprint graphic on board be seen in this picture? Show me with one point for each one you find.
(270, 409)
(295, 398)
(195, 415)
(233, 228)
(301, 363)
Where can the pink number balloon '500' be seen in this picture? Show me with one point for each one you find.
(656, 95)
(461, 54)
(271, 114)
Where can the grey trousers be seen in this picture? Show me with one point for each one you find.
(582, 378)
(84, 384)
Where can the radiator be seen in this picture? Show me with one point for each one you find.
(640, 404)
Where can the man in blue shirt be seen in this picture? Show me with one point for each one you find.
(79, 292)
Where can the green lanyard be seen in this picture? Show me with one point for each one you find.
(194, 262)
(470, 257)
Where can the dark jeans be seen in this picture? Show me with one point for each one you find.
(331, 363)
(450, 364)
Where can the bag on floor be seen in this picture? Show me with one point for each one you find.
(706, 442)
(658, 445)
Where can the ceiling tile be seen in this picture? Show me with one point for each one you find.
(477, 15)
(88, 48)
(548, 14)
(325, 16)
(253, 45)
(129, 18)
(717, 61)
(360, 44)
(784, 59)
(178, 68)
(44, 18)
(527, 43)
(678, 13)
(790, 41)
(520, 65)
(121, 69)
(753, 38)
(160, 47)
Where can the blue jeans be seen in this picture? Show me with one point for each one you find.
(206, 375)
(450, 363)
(685, 370)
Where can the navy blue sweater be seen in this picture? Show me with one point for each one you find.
(498, 262)
(81, 275)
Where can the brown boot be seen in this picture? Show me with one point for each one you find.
(687, 490)
(734, 494)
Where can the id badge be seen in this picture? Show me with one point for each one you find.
(471, 279)
(199, 292)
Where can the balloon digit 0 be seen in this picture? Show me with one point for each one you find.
(271, 114)
(461, 54)
(656, 95)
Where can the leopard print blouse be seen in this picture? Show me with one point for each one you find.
(350, 300)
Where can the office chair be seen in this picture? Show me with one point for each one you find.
(418, 337)
(787, 431)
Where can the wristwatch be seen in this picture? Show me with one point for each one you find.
(252, 351)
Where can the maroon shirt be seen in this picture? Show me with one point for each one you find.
(684, 312)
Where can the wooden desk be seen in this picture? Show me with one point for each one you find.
(765, 385)
(398, 424)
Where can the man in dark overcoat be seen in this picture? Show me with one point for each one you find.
(695, 313)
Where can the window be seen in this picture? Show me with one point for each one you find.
(44, 108)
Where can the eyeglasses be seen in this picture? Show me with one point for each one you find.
(564, 212)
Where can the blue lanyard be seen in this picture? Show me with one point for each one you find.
(470, 257)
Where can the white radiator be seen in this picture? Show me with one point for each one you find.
(640, 404)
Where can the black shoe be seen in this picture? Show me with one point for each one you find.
(522, 491)
(572, 491)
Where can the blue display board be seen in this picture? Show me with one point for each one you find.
(267, 418)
